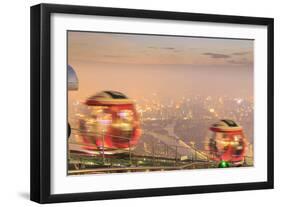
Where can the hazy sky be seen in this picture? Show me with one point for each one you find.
(170, 66)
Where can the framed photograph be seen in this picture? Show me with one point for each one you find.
(132, 103)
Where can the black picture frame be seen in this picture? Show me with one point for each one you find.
(41, 98)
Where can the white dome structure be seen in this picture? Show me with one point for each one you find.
(72, 79)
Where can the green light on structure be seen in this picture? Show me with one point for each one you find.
(224, 164)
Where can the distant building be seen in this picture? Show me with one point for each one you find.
(72, 79)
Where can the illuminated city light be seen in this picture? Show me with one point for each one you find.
(239, 100)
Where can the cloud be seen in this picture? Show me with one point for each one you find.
(243, 61)
(216, 55)
(152, 47)
(168, 48)
(161, 48)
(240, 53)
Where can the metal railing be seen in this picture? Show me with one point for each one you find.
(157, 150)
